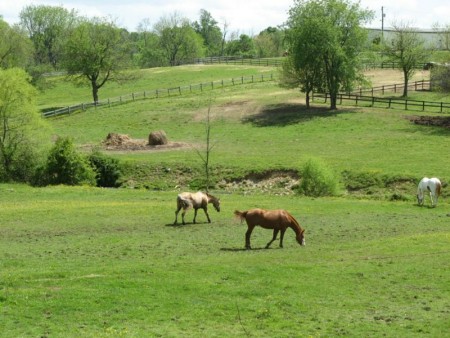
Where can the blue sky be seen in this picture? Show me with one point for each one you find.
(241, 16)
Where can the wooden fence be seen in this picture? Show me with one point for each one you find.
(356, 98)
(160, 93)
(420, 85)
(276, 62)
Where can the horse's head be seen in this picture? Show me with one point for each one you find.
(216, 204)
(301, 238)
(419, 199)
(215, 201)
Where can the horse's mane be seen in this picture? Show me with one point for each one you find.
(293, 220)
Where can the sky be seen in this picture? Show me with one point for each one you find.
(241, 16)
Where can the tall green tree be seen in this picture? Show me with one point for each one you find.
(209, 30)
(178, 39)
(149, 53)
(326, 36)
(21, 126)
(96, 52)
(270, 42)
(406, 48)
(47, 27)
(243, 46)
(15, 46)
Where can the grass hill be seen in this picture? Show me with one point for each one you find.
(255, 128)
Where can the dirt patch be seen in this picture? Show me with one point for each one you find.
(435, 121)
(275, 182)
(122, 142)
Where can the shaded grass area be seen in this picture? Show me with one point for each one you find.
(106, 262)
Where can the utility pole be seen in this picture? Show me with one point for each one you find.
(382, 22)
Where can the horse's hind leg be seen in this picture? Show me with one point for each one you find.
(176, 215)
(247, 237)
(182, 216)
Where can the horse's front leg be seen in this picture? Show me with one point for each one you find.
(195, 214)
(281, 237)
(207, 215)
(275, 233)
(247, 237)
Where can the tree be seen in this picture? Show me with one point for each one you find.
(149, 53)
(241, 47)
(270, 42)
(15, 47)
(20, 126)
(406, 48)
(65, 165)
(326, 36)
(178, 39)
(209, 30)
(96, 52)
(47, 27)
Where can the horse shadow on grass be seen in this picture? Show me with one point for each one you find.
(242, 249)
(287, 113)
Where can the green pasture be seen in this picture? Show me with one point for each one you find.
(257, 127)
(89, 262)
(92, 262)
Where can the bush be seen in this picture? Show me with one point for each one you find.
(317, 179)
(107, 170)
(65, 165)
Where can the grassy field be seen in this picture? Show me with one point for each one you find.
(91, 262)
(108, 263)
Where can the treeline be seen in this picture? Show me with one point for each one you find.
(44, 40)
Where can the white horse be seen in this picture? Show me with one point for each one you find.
(433, 186)
(198, 200)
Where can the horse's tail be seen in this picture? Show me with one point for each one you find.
(240, 214)
(438, 188)
(182, 202)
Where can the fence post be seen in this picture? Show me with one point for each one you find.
(406, 104)
(179, 90)
(423, 105)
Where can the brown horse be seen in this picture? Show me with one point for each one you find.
(187, 200)
(278, 220)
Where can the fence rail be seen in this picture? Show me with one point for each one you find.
(276, 62)
(372, 101)
(420, 85)
(160, 93)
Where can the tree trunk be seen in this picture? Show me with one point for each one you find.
(405, 88)
(333, 101)
(95, 91)
(307, 100)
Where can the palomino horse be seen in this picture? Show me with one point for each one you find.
(278, 220)
(187, 200)
(433, 186)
